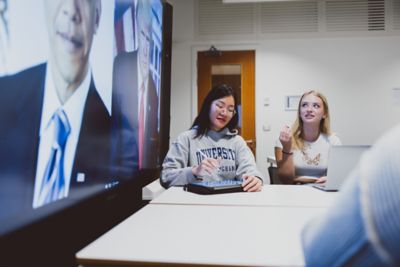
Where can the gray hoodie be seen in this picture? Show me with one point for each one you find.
(186, 151)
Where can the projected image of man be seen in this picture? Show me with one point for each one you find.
(71, 27)
(64, 125)
(148, 101)
(135, 99)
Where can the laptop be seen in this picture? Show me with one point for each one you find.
(341, 161)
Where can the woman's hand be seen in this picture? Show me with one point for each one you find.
(285, 137)
(208, 167)
(305, 179)
(251, 183)
(310, 179)
(321, 180)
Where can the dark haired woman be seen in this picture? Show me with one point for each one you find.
(211, 149)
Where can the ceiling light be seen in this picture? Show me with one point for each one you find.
(254, 1)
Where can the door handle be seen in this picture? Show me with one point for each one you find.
(250, 142)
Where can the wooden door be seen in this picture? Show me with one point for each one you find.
(235, 68)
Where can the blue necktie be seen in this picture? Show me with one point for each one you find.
(53, 184)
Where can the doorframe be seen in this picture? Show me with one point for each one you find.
(220, 46)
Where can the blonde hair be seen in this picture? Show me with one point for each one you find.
(324, 126)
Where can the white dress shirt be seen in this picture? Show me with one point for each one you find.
(73, 108)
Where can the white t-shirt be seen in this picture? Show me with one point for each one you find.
(312, 160)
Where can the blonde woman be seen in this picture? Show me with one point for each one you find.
(302, 151)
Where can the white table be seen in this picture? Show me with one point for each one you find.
(271, 195)
(205, 235)
(152, 190)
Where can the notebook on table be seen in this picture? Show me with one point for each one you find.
(341, 161)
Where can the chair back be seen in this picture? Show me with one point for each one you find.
(273, 175)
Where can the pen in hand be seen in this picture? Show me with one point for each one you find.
(208, 166)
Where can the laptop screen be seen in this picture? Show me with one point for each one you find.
(342, 160)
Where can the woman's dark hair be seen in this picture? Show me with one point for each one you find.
(202, 122)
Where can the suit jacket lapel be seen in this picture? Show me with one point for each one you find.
(92, 158)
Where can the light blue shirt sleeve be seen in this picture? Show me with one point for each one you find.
(362, 228)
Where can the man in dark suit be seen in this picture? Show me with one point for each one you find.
(29, 106)
(135, 102)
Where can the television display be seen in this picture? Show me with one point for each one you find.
(84, 106)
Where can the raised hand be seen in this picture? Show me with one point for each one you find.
(285, 137)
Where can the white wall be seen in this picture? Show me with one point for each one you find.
(181, 75)
(356, 74)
